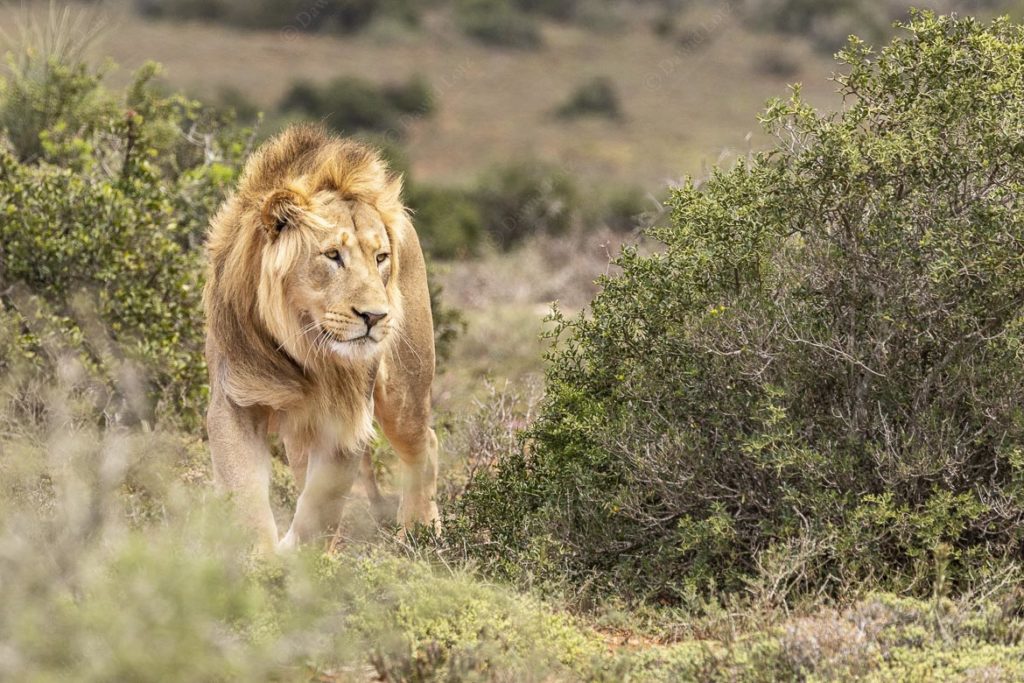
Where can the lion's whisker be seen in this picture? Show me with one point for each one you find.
(311, 347)
(308, 328)
(324, 348)
(404, 338)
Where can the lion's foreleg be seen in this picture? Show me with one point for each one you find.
(241, 464)
(298, 460)
(419, 480)
(329, 476)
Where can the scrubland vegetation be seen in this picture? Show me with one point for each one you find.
(783, 442)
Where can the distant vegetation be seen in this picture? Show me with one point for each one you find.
(339, 16)
(785, 442)
(829, 24)
(512, 203)
(596, 97)
(498, 23)
(350, 104)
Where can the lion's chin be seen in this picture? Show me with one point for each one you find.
(364, 348)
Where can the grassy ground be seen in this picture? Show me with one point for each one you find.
(686, 103)
(116, 564)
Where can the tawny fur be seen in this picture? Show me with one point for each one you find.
(278, 317)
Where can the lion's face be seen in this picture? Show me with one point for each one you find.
(335, 288)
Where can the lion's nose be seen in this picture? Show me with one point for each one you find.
(370, 318)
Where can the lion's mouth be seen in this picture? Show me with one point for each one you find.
(363, 346)
(362, 339)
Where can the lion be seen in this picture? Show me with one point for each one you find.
(318, 321)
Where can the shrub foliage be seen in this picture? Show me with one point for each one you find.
(337, 16)
(351, 104)
(102, 218)
(104, 201)
(596, 97)
(498, 23)
(816, 383)
(526, 198)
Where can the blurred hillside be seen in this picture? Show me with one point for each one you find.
(686, 97)
(686, 74)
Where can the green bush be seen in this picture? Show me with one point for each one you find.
(42, 93)
(524, 199)
(449, 322)
(624, 209)
(826, 23)
(103, 214)
(497, 23)
(829, 23)
(341, 16)
(596, 97)
(233, 99)
(815, 386)
(447, 219)
(556, 9)
(415, 96)
(350, 104)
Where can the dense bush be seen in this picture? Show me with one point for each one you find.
(596, 97)
(415, 96)
(447, 220)
(557, 9)
(816, 385)
(350, 104)
(343, 16)
(526, 198)
(625, 208)
(498, 23)
(510, 203)
(102, 216)
(828, 24)
(39, 94)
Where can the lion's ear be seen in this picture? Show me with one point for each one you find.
(280, 209)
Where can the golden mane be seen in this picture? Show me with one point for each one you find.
(246, 310)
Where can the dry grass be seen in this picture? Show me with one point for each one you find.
(505, 298)
(545, 270)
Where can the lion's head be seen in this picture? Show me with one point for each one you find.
(327, 263)
(304, 257)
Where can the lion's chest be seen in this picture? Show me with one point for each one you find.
(336, 411)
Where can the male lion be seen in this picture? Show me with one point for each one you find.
(318, 318)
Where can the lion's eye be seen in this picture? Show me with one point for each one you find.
(334, 255)
(381, 258)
